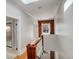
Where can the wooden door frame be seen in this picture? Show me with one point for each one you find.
(40, 22)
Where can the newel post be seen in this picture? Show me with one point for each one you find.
(31, 51)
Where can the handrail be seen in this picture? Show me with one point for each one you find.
(31, 48)
(37, 41)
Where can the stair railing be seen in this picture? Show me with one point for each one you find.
(34, 48)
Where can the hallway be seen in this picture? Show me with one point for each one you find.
(42, 26)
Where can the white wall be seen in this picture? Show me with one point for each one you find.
(35, 29)
(26, 30)
(64, 30)
(51, 43)
(24, 27)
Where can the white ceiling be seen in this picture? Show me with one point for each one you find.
(41, 9)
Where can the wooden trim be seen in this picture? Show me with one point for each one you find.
(52, 54)
(31, 49)
(39, 28)
(52, 29)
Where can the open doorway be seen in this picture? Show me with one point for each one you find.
(11, 32)
(11, 37)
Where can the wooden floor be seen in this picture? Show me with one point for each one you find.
(22, 56)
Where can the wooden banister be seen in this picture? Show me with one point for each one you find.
(31, 49)
(37, 41)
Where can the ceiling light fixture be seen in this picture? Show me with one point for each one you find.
(29, 1)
